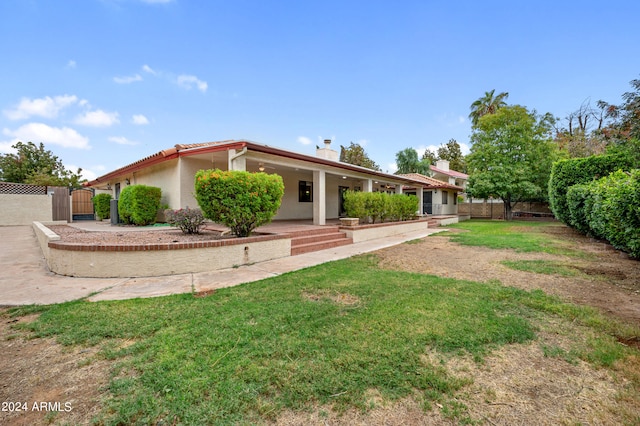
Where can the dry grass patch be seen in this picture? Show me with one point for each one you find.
(344, 299)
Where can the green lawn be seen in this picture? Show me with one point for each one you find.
(522, 236)
(321, 336)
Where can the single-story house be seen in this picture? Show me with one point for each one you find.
(314, 185)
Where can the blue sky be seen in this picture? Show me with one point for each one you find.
(103, 83)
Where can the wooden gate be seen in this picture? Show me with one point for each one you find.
(61, 210)
(82, 204)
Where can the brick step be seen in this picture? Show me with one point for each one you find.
(322, 245)
(317, 231)
(306, 239)
(433, 223)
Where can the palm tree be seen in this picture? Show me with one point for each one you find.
(488, 104)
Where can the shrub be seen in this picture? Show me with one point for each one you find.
(407, 205)
(102, 206)
(372, 206)
(566, 173)
(138, 204)
(190, 221)
(239, 200)
(354, 205)
(614, 210)
(576, 198)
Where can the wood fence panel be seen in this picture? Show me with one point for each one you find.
(61, 208)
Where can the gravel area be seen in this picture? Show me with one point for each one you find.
(69, 234)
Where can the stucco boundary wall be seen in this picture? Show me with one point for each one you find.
(23, 209)
(361, 233)
(151, 260)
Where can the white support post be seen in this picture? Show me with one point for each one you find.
(319, 198)
(237, 160)
(368, 185)
(420, 201)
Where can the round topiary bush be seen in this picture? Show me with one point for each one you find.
(239, 200)
(139, 204)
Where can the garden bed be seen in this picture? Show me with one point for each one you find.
(127, 254)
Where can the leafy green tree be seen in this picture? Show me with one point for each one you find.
(355, 154)
(430, 157)
(511, 156)
(34, 165)
(625, 118)
(452, 152)
(487, 104)
(407, 162)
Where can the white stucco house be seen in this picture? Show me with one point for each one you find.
(314, 185)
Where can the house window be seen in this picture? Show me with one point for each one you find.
(445, 197)
(305, 192)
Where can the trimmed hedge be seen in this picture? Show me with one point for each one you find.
(102, 206)
(380, 206)
(609, 208)
(239, 200)
(566, 173)
(139, 204)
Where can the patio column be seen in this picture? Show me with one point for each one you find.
(420, 193)
(398, 188)
(319, 198)
(237, 160)
(368, 185)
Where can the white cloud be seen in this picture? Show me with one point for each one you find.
(304, 140)
(465, 148)
(188, 81)
(461, 119)
(5, 147)
(40, 132)
(47, 107)
(128, 79)
(139, 119)
(147, 68)
(392, 168)
(121, 140)
(71, 64)
(98, 118)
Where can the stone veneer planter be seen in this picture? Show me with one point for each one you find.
(125, 261)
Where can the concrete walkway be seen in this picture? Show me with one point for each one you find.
(25, 279)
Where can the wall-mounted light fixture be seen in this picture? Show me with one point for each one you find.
(127, 181)
(108, 187)
(261, 167)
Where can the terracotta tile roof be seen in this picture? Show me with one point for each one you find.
(451, 173)
(431, 182)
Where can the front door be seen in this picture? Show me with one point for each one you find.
(427, 206)
(341, 190)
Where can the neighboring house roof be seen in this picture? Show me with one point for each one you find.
(181, 150)
(451, 173)
(431, 183)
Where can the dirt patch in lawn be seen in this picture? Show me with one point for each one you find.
(608, 279)
(43, 382)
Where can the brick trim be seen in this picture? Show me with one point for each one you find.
(60, 245)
